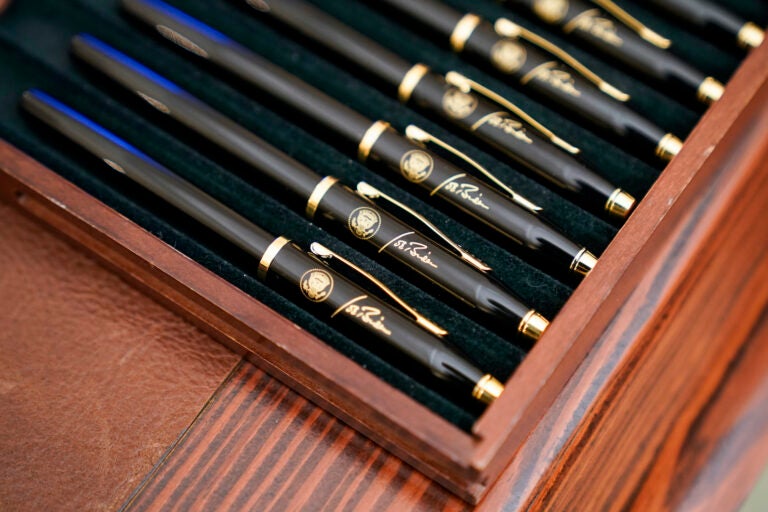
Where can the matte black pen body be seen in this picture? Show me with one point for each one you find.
(328, 202)
(282, 264)
(510, 136)
(487, 121)
(536, 71)
(595, 28)
(418, 167)
(714, 20)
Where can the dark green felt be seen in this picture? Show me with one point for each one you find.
(33, 53)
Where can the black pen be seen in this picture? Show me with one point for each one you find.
(328, 202)
(282, 264)
(605, 27)
(714, 20)
(539, 66)
(461, 101)
(377, 142)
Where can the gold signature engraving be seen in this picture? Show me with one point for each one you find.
(368, 315)
(416, 165)
(592, 23)
(364, 222)
(316, 284)
(551, 11)
(459, 104)
(506, 124)
(415, 250)
(468, 192)
(508, 56)
(557, 78)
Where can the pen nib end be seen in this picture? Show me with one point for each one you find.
(669, 147)
(710, 91)
(488, 389)
(584, 262)
(533, 325)
(751, 36)
(620, 204)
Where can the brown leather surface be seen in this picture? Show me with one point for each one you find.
(96, 379)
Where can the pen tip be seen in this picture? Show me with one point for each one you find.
(710, 90)
(584, 262)
(619, 204)
(533, 325)
(669, 146)
(488, 389)
(751, 36)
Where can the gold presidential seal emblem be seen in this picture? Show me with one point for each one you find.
(508, 55)
(551, 11)
(416, 165)
(364, 222)
(316, 284)
(459, 104)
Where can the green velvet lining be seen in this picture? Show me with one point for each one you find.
(34, 53)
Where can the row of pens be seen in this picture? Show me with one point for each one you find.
(470, 191)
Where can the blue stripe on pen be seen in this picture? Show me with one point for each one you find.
(80, 118)
(188, 20)
(130, 63)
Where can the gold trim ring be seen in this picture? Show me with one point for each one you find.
(317, 195)
(372, 135)
(269, 256)
(410, 81)
(463, 31)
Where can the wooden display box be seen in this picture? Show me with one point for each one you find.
(699, 231)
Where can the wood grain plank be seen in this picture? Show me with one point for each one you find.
(640, 424)
(260, 446)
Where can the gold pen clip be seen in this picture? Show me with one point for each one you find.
(633, 23)
(468, 85)
(423, 137)
(370, 192)
(507, 28)
(323, 252)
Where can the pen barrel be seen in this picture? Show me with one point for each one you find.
(596, 28)
(363, 220)
(509, 135)
(150, 174)
(219, 49)
(704, 15)
(199, 117)
(545, 76)
(472, 196)
(333, 297)
(335, 35)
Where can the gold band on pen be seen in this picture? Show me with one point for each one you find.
(372, 135)
(487, 389)
(750, 36)
(710, 91)
(269, 256)
(410, 81)
(668, 148)
(463, 31)
(619, 204)
(317, 195)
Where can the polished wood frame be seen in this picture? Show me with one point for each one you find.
(693, 227)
